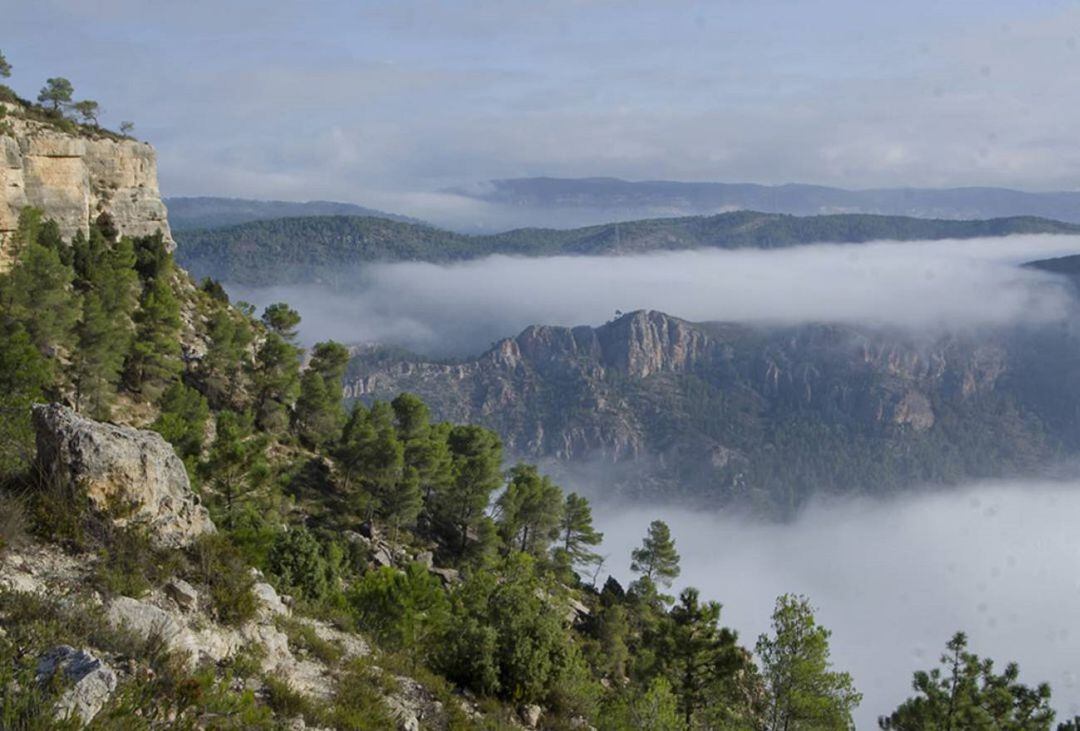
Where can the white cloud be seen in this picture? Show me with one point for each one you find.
(462, 308)
(894, 580)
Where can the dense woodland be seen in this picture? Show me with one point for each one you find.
(112, 326)
(327, 249)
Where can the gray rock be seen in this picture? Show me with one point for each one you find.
(182, 593)
(269, 599)
(530, 715)
(91, 682)
(121, 466)
(426, 559)
(448, 576)
(382, 556)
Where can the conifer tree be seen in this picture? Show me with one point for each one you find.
(24, 376)
(656, 560)
(276, 382)
(530, 510)
(281, 319)
(476, 455)
(154, 361)
(697, 652)
(57, 92)
(319, 414)
(577, 536)
(222, 369)
(236, 466)
(97, 360)
(427, 454)
(804, 691)
(5, 67)
(38, 293)
(965, 692)
(182, 420)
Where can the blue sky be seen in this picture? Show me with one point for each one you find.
(385, 103)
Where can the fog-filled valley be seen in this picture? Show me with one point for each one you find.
(894, 579)
(460, 309)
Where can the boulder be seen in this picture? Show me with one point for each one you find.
(530, 715)
(182, 593)
(129, 475)
(426, 559)
(447, 575)
(269, 600)
(90, 682)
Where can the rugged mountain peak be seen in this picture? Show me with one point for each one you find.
(645, 342)
(76, 176)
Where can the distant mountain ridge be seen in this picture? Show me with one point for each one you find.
(599, 198)
(759, 418)
(327, 249)
(211, 212)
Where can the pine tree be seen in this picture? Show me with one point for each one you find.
(965, 692)
(530, 510)
(236, 466)
(281, 319)
(154, 361)
(38, 294)
(5, 67)
(697, 652)
(222, 370)
(24, 376)
(98, 358)
(182, 420)
(276, 382)
(319, 414)
(476, 455)
(656, 560)
(576, 532)
(804, 692)
(427, 454)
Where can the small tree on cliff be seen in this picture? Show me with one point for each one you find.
(57, 92)
(88, 109)
(5, 67)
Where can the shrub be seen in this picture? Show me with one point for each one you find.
(129, 564)
(304, 637)
(358, 700)
(403, 609)
(219, 565)
(13, 522)
(302, 567)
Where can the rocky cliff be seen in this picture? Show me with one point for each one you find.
(75, 176)
(756, 416)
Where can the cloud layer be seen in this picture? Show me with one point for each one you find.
(895, 579)
(460, 309)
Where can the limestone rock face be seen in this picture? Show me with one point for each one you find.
(117, 466)
(74, 178)
(91, 682)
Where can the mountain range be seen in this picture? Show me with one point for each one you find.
(210, 212)
(580, 201)
(329, 249)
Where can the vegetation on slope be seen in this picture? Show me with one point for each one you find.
(111, 325)
(327, 249)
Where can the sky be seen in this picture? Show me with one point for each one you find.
(385, 103)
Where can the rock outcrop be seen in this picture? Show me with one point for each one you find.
(76, 177)
(741, 413)
(89, 682)
(130, 476)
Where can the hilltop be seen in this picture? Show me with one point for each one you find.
(328, 249)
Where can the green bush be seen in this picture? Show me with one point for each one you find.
(13, 522)
(403, 609)
(301, 565)
(218, 564)
(130, 565)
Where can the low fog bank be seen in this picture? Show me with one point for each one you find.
(894, 579)
(460, 309)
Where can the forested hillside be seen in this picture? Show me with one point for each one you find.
(327, 249)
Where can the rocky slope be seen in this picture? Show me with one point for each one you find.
(124, 638)
(757, 417)
(76, 176)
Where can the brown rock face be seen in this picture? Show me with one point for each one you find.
(74, 178)
(117, 466)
